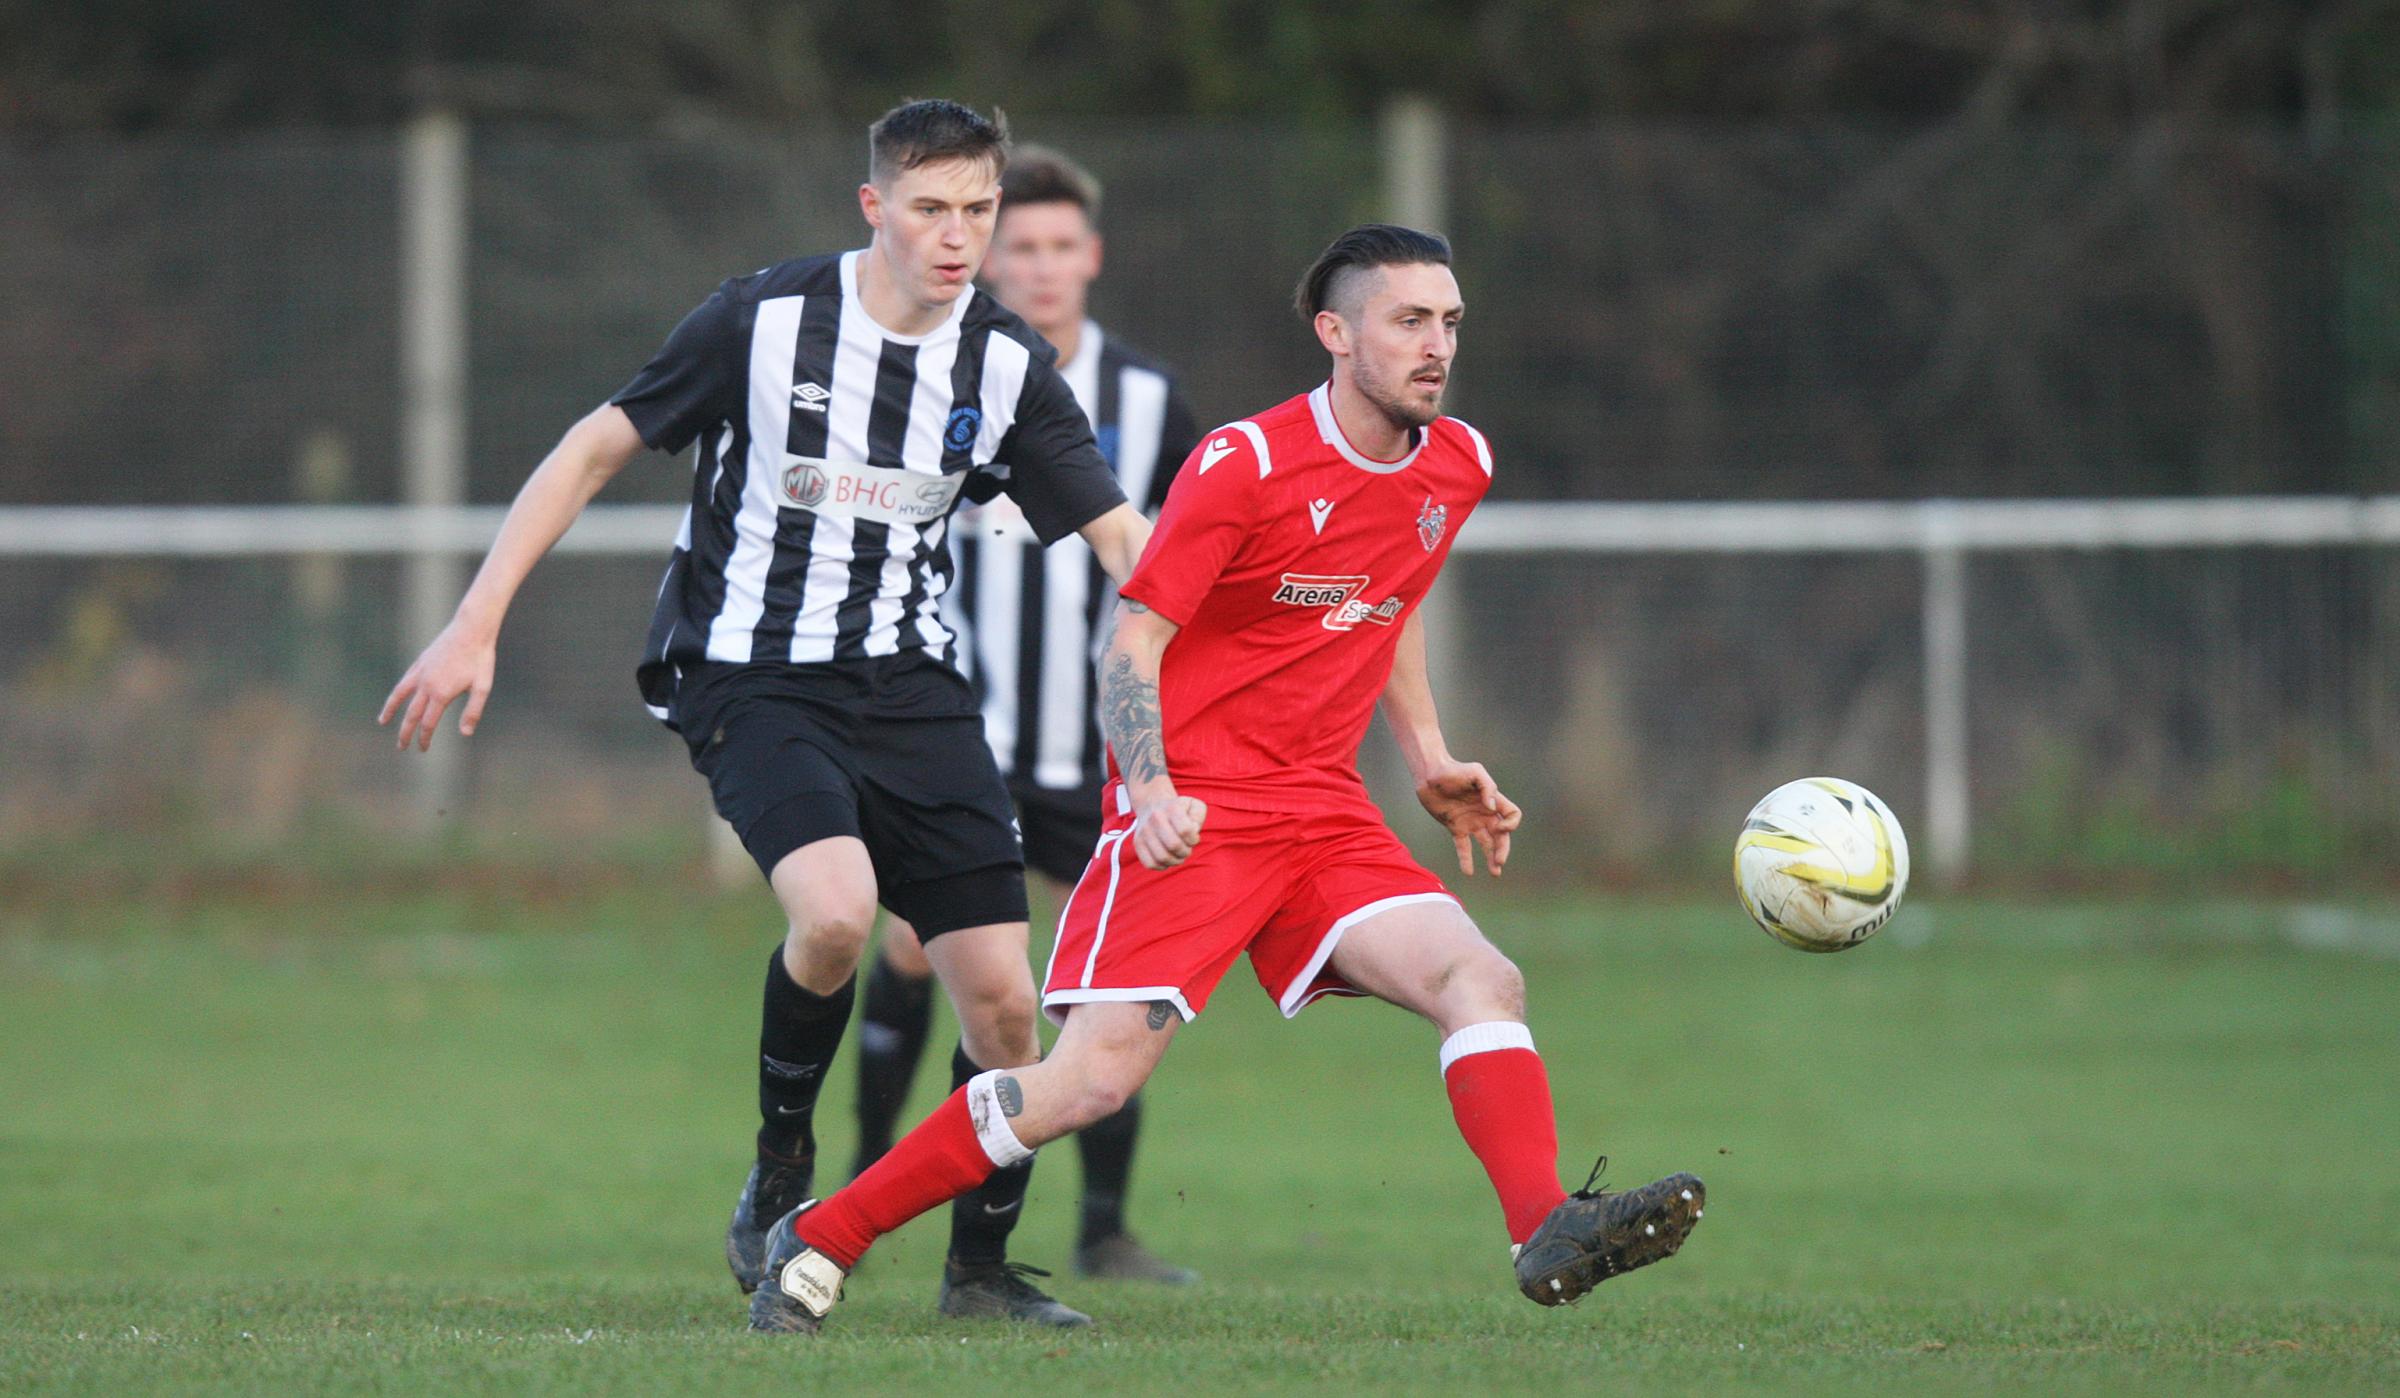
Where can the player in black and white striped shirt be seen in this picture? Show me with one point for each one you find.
(1027, 618)
(841, 405)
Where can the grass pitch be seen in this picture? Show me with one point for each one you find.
(458, 1142)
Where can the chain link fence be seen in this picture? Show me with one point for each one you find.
(1654, 313)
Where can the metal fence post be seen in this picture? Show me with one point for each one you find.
(1946, 761)
(433, 403)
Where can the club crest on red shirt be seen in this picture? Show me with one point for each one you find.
(1431, 522)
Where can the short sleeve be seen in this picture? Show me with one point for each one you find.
(1177, 435)
(1056, 473)
(696, 379)
(1209, 510)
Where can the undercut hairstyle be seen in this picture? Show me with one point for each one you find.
(1040, 175)
(1331, 281)
(925, 130)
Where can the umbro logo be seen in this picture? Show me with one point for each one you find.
(1318, 510)
(809, 398)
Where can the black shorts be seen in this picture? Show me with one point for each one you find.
(889, 750)
(1060, 828)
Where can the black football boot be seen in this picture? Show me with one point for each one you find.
(1598, 1233)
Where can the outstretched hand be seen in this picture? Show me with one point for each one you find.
(1465, 799)
(454, 664)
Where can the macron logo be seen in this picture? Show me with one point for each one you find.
(809, 398)
(1215, 452)
(1318, 510)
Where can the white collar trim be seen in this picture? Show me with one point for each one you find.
(1320, 403)
(949, 325)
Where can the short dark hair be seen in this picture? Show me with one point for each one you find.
(922, 130)
(1364, 248)
(1040, 175)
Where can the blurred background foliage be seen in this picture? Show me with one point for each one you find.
(1735, 249)
(147, 65)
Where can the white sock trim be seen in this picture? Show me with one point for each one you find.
(999, 1139)
(1487, 1037)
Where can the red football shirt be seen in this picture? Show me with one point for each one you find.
(1290, 559)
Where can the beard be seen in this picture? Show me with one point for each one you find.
(1398, 399)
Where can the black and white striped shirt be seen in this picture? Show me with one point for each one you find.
(1029, 617)
(831, 453)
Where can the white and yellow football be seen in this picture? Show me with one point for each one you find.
(1821, 864)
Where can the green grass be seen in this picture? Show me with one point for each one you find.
(469, 1141)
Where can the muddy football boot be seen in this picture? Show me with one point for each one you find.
(797, 1284)
(1000, 1291)
(1598, 1233)
(774, 1188)
(1121, 1257)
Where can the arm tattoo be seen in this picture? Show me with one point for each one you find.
(1160, 1012)
(1012, 1096)
(1134, 607)
(1129, 711)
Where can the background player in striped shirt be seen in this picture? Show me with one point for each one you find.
(1276, 606)
(840, 406)
(1028, 618)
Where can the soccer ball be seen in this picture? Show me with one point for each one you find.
(1821, 864)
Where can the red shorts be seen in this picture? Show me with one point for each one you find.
(1280, 887)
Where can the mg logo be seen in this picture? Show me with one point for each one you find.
(805, 484)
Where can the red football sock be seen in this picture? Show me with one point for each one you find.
(940, 1160)
(1500, 1094)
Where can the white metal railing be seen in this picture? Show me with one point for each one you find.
(1941, 532)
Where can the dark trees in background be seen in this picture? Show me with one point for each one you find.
(136, 65)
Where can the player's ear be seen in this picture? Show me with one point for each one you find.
(1333, 333)
(1098, 250)
(870, 205)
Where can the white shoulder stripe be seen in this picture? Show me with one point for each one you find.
(1483, 449)
(1258, 443)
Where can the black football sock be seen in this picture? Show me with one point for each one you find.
(798, 1033)
(895, 1015)
(982, 1218)
(1107, 1150)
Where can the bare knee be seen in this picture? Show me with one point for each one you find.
(902, 949)
(1099, 1099)
(1506, 986)
(1102, 1059)
(1102, 1087)
(1480, 984)
(995, 1023)
(826, 940)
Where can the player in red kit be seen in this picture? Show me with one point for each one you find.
(1275, 606)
